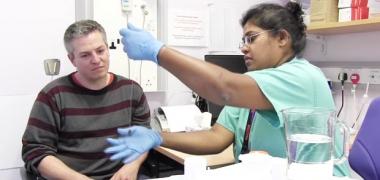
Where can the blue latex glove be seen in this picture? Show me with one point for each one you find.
(134, 142)
(140, 44)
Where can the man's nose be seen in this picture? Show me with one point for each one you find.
(95, 59)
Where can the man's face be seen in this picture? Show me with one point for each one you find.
(90, 56)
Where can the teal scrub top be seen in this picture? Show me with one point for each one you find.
(294, 84)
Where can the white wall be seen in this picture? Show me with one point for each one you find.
(10, 174)
(349, 47)
(110, 16)
(181, 92)
(28, 37)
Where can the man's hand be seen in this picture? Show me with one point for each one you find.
(127, 172)
(134, 142)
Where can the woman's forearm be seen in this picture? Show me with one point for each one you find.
(208, 80)
(199, 142)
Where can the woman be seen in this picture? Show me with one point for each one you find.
(274, 37)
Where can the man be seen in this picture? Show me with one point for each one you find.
(73, 115)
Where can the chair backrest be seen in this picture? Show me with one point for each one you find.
(364, 157)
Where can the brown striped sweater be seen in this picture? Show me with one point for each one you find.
(72, 123)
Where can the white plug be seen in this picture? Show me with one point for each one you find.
(127, 5)
(364, 98)
(143, 5)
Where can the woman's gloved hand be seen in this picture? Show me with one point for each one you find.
(134, 142)
(139, 44)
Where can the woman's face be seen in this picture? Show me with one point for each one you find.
(260, 48)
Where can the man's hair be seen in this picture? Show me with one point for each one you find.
(79, 29)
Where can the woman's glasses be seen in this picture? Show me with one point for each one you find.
(247, 40)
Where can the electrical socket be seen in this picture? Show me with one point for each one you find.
(351, 71)
(149, 84)
(371, 73)
(364, 73)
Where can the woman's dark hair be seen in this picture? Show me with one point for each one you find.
(273, 16)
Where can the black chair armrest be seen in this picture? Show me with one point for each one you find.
(151, 164)
(26, 175)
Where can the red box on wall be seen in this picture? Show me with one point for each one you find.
(355, 13)
(359, 3)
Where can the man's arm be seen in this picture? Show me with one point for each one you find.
(141, 115)
(40, 139)
(141, 159)
(52, 168)
(130, 170)
(211, 141)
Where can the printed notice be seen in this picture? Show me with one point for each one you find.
(186, 28)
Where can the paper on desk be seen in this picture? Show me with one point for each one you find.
(179, 117)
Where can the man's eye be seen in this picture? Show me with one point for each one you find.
(84, 55)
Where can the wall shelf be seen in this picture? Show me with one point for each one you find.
(367, 25)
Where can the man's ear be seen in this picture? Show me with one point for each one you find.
(72, 60)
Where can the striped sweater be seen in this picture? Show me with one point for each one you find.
(72, 123)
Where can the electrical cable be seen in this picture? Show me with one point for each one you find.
(341, 107)
(355, 78)
(354, 93)
(131, 98)
(129, 71)
(342, 77)
(363, 101)
(201, 103)
(176, 93)
(143, 27)
(129, 61)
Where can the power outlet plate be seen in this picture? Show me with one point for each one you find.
(364, 73)
(351, 71)
(374, 74)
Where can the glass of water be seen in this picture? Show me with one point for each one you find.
(310, 134)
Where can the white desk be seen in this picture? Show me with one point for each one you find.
(230, 172)
(216, 160)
